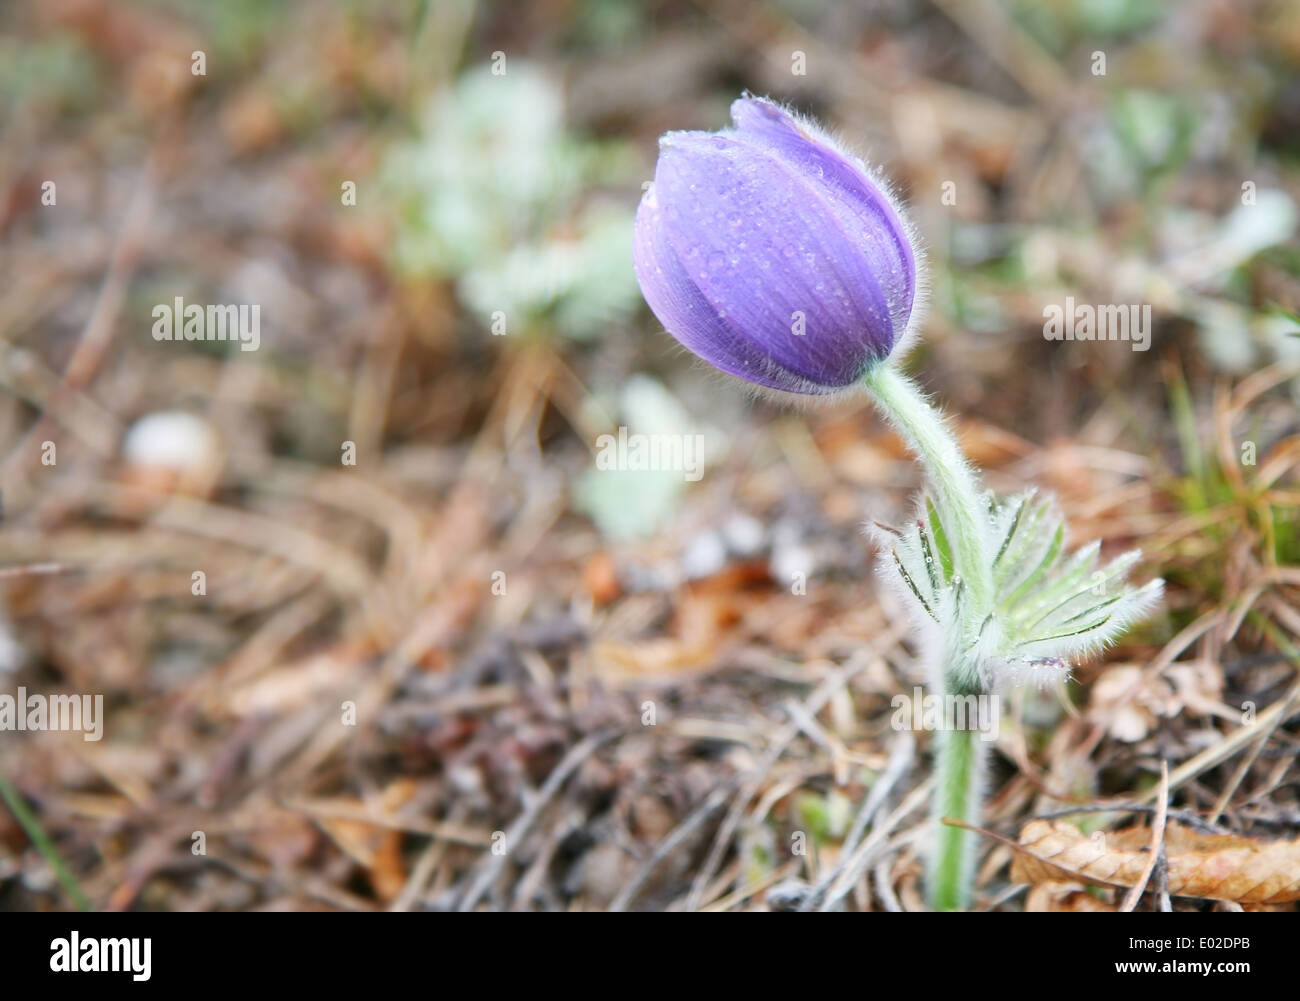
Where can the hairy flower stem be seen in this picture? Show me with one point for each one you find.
(962, 511)
(951, 870)
(958, 499)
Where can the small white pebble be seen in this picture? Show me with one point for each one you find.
(744, 534)
(171, 439)
(704, 555)
(789, 560)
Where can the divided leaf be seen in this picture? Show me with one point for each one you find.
(1051, 607)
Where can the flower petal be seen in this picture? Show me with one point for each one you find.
(863, 205)
(764, 247)
(685, 313)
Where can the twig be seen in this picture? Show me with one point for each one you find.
(884, 888)
(527, 887)
(1004, 896)
(670, 843)
(857, 865)
(492, 867)
(1185, 817)
(97, 334)
(1222, 803)
(31, 568)
(1291, 653)
(750, 890)
(820, 696)
(419, 877)
(900, 761)
(1157, 842)
(1162, 882)
(1211, 756)
(325, 810)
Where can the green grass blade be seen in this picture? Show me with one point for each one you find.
(27, 820)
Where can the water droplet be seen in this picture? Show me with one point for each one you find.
(716, 261)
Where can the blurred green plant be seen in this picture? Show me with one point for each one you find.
(1234, 504)
(823, 817)
(238, 31)
(494, 194)
(59, 73)
(634, 503)
(1056, 24)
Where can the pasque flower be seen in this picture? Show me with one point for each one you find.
(773, 254)
(777, 256)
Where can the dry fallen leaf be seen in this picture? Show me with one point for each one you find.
(1128, 700)
(375, 847)
(1063, 897)
(1216, 867)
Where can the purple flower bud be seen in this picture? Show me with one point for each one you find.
(773, 254)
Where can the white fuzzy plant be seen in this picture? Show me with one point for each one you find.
(997, 602)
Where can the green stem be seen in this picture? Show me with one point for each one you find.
(962, 511)
(960, 761)
(959, 499)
